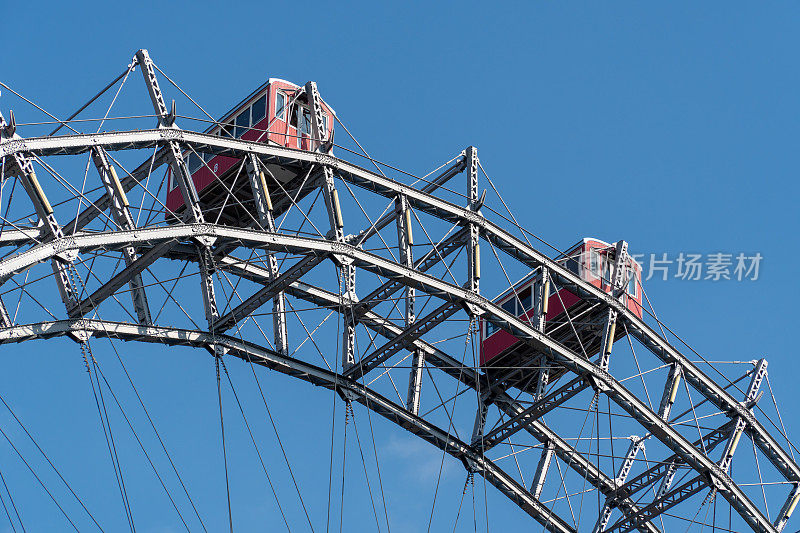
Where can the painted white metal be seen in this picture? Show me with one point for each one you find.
(347, 272)
(120, 211)
(635, 326)
(635, 446)
(670, 391)
(261, 197)
(541, 469)
(181, 174)
(617, 290)
(473, 244)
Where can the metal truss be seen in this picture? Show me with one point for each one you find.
(451, 293)
(306, 372)
(274, 264)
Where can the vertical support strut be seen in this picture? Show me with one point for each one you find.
(541, 297)
(349, 316)
(667, 401)
(617, 287)
(120, 211)
(541, 469)
(624, 469)
(666, 482)
(207, 273)
(347, 271)
(415, 381)
(180, 172)
(473, 244)
(261, 196)
(5, 318)
(751, 396)
(480, 419)
(405, 243)
(61, 263)
(788, 508)
(750, 399)
(670, 391)
(543, 379)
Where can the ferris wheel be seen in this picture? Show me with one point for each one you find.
(271, 238)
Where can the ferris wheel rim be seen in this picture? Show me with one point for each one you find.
(668, 436)
(447, 211)
(73, 144)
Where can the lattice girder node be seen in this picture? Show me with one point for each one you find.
(473, 243)
(347, 272)
(406, 278)
(636, 445)
(405, 243)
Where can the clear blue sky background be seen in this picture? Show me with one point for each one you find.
(673, 126)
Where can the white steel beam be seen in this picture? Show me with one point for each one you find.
(347, 272)
(120, 211)
(22, 166)
(473, 245)
(541, 469)
(617, 290)
(636, 445)
(263, 201)
(670, 391)
(181, 174)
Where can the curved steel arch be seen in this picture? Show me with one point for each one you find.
(502, 239)
(320, 249)
(348, 388)
(458, 295)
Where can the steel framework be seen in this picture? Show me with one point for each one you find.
(383, 291)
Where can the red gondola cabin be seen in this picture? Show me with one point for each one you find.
(592, 260)
(275, 113)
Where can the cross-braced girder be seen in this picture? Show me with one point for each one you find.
(448, 292)
(284, 269)
(312, 374)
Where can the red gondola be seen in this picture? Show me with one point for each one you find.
(592, 260)
(275, 113)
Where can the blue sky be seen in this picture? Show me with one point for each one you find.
(673, 126)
